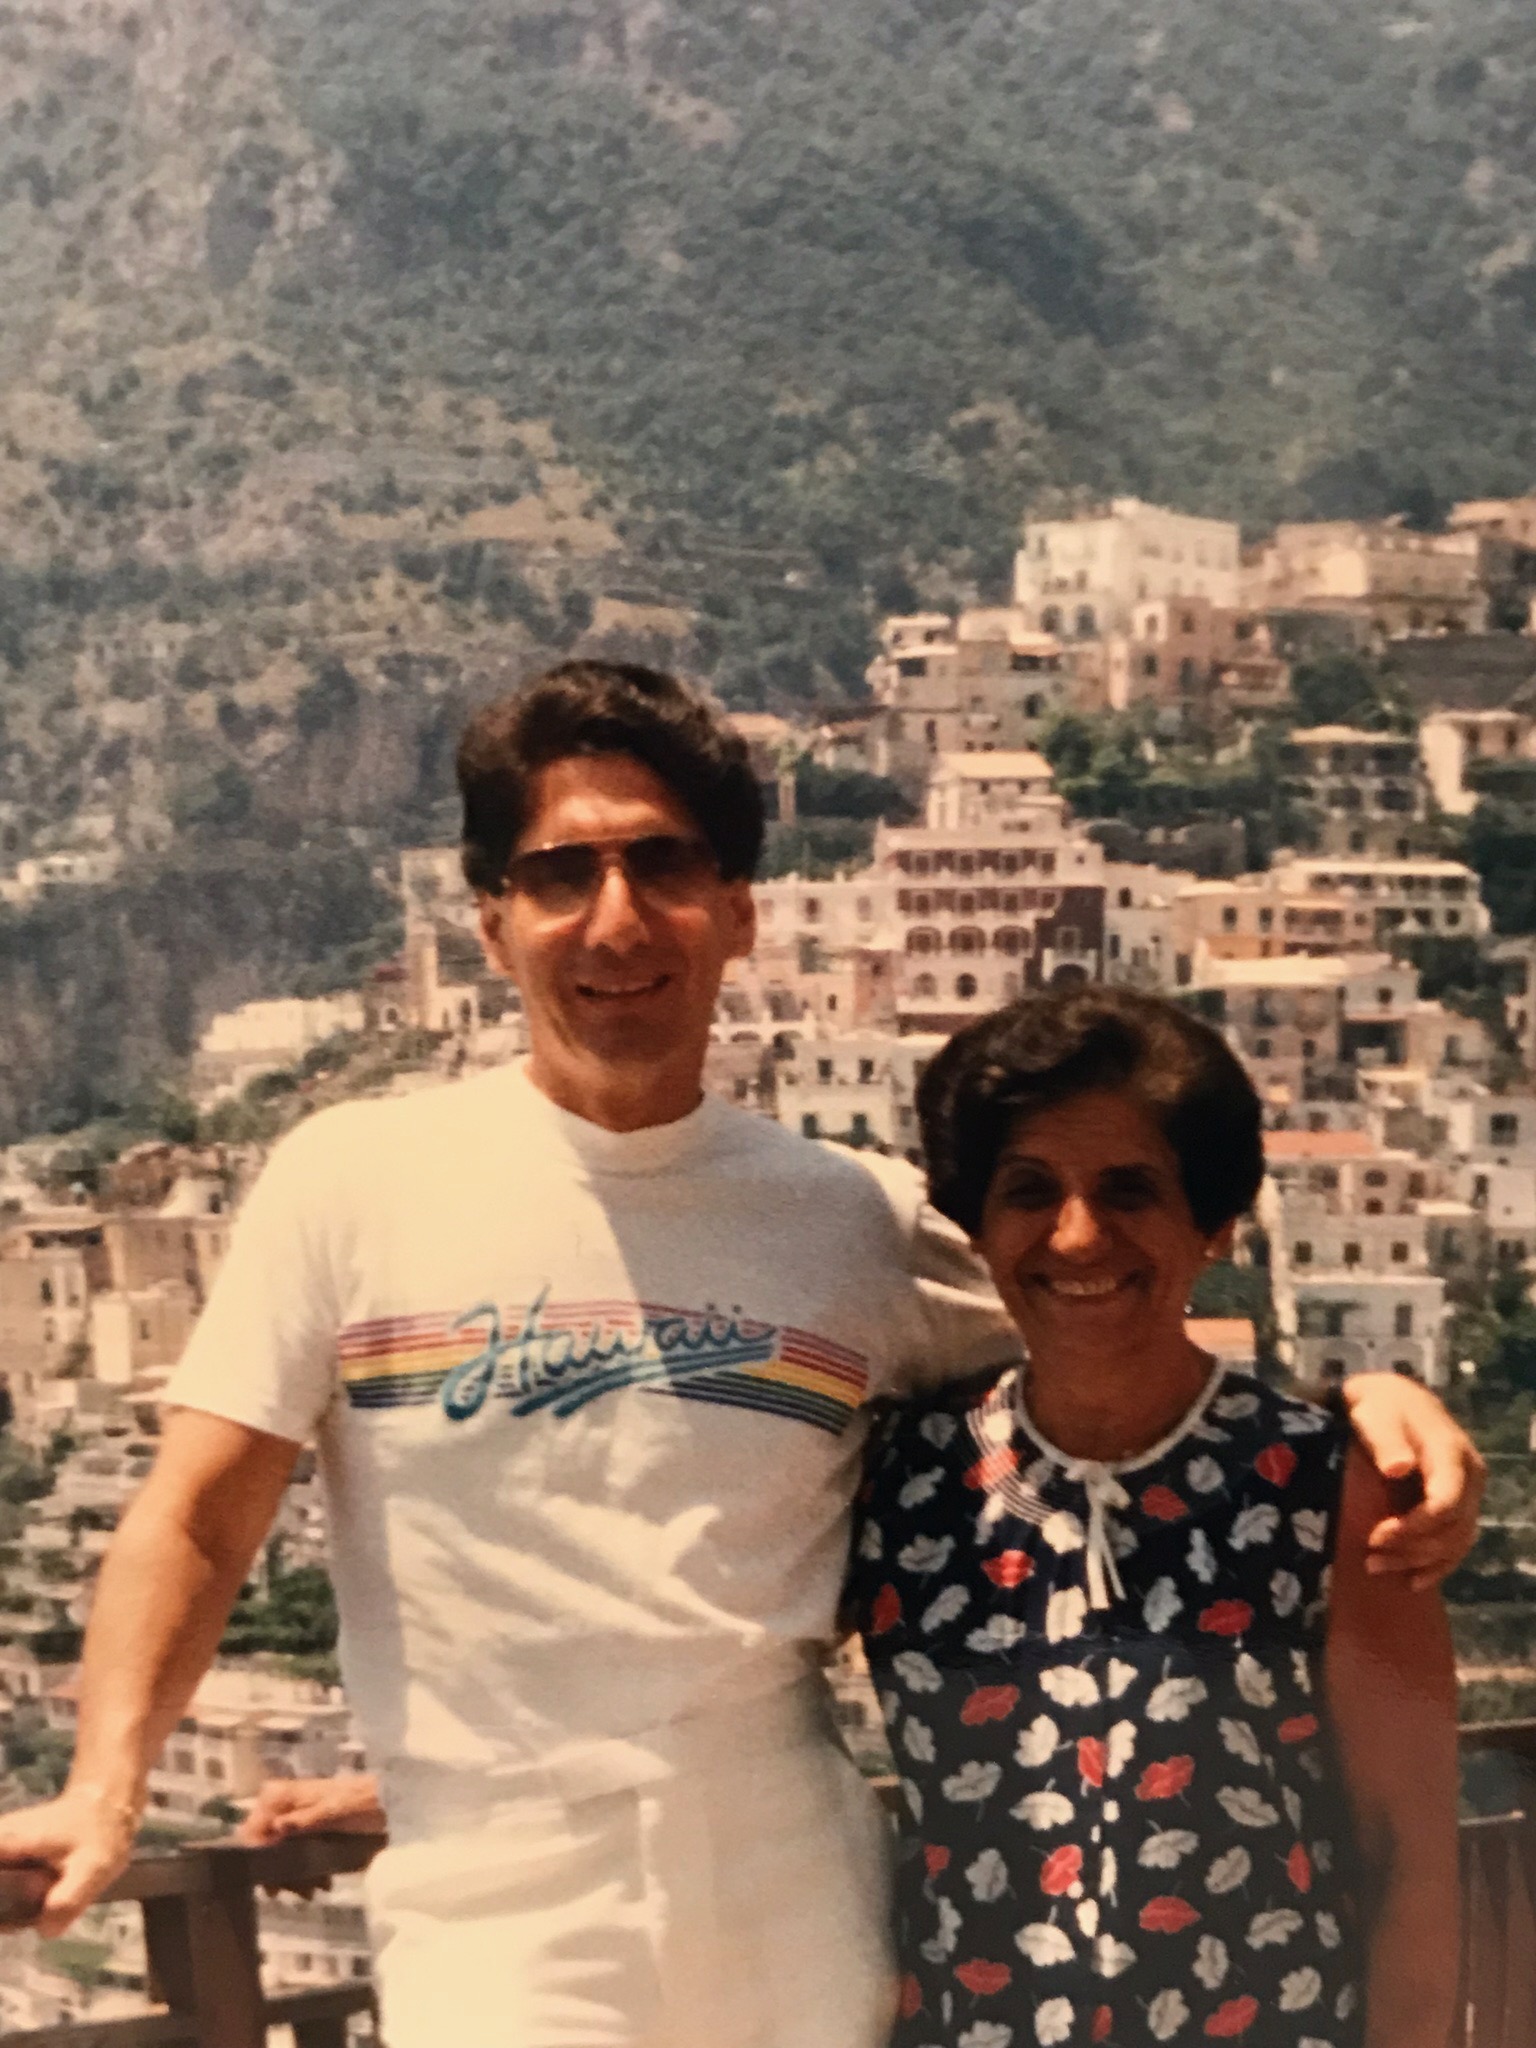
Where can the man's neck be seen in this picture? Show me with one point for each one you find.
(614, 1100)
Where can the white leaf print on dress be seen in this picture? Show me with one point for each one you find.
(1290, 1799)
(1172, 1700)
(987, 2034)
(1038, 1743)
(917, 1740)
(1166, 2014)
(920, 1487)
(1329, 1932)
(972, 1783)
(1070, 1687)
(1302, 1421)
(925, 1555)
(1045, 1944)
(1235, 1407)
(1238, 1739)
(917, 1672)
(914, 1799)
(938, 1430)
(1002, 1632)
(1203, 1474)
(871, 1542)
(1063, 1532)
(1311, 1527)
(1211, 1962)
(1167, 1849)
(1202, 1558)
(1120, 1675)
(1253, 1527)
(1285, 1591)
(987, 1876)
(1042, 1810)
(1228, 1872)
(1088, 1916)
(1109, 1873)
(890, 1707)
(1253, 1681)
(1301, 1670)
(1242, 1804)
(1274, 1929)
(1160, 1606)
(1120, 1747)
(1053, 2021)
(1064, 1614)
(942, 1943)
(1299, 1989)
(1111, 1957)
(952, 1601)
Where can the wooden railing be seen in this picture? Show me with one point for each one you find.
(200, 1930)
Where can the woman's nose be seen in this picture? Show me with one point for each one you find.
(1078, 1232)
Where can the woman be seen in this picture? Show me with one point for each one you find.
(1170, 1771)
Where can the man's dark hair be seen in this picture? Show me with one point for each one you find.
(1046, 1048)
(605, 707)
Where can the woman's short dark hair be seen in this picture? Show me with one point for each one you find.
(1046, 1048)
(605, 707)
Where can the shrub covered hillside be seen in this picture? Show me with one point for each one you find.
(355, 354)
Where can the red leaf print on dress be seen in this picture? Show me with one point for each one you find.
(1227, 1618)
(1009, 1568)
(1276, 1463)
(936, 1858)
(1062, 1869)
(989, 1703)
(1298, 1868)
(1163, 1504)
(885, 1612)
(1103, 2020)
(911, 2002)
(1166, 1780)
(1300, 1728)
(984, 1978)
(1232, 2019)
(1168, 1915)
(1092, 1759)
(993, 1466)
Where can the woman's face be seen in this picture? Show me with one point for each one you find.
(1088, 1234)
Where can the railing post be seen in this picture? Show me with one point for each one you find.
(203, 1951)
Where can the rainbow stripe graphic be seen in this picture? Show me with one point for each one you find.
(559, 1356)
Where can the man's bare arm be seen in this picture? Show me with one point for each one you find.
(166, 1587)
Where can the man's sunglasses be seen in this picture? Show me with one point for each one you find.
(663, 867)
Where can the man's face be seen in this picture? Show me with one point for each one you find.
(618, 989)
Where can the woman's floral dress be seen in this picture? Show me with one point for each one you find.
(1102, 1688)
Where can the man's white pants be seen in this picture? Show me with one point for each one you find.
(739, 1901)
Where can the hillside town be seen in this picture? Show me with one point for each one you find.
(1400, 1209)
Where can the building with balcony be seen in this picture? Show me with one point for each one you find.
(1082, 577)
(1390, 581)
(858, 1087)
(1456, 745)
(1367, 789)
(1349, 1257)
(1408, 897)
(983, 683)
(1188, 653)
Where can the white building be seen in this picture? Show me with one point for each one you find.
(861, 1087)
(1083, 577)
(238, 1045)
(1437, 898)
(1349, 1257)
(1454, 743)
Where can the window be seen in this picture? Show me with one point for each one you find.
(1384, 997)
(860, 1130)
(823, 1070)
(1266, 920)
(1333, 1319)
(1229, 920)
(965, 987)
(1504, 1129)
(1402, 1320)
(866, 1070)
(1309, 1048)
(1263, 1049)
(1351, 1254)
(1375, 1178)
(925, 985)
(45, 1293)
(810, 910)
(1399, 1254)
(1301, 1253)
(810, 1125)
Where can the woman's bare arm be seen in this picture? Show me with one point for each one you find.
(1390, 1677)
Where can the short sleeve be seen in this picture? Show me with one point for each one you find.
(264, 1349)
(961, 1327)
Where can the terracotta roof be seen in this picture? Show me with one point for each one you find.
(1319, 1145)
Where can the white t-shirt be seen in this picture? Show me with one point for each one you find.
(586, 1404)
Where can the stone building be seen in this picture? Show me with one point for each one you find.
(1083, 577)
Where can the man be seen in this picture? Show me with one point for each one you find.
(585, 1355)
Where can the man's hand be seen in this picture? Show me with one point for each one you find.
(83, 1840)
(1408, 1433)
(306, 1806)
